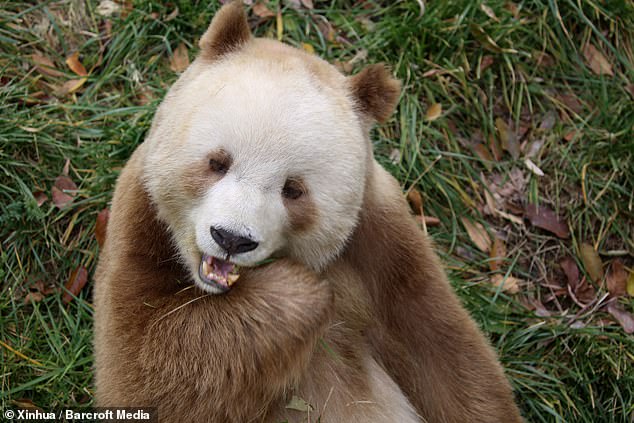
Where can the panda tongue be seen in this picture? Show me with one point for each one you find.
(222, 267)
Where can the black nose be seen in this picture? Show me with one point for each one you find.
(232, 243)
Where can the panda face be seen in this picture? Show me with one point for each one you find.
(257, 157)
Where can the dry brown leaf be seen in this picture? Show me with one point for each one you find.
(415, 200)
(508, 139)
(489, 12)
(260, 9)
(486, 62)
(63, 191)
(483, 153)
(597, 61)
(571, 270)
(40, 197)
(498, 254)
(45, 66)
(101, 225)
(25, 403)
(543, 59)
(616, 278)
(430, 220)
(75, 65)
(75, 284)
(548, 121)
(494, 145)
(33, 297)
(625, 319)
(477, 234)
(180, 58)
(70, 86)
(543, 217)
(509, 284)
(173, 14)
(533, 167)
(571, 101)
(591, 262)
(433, 112)
(570, 135)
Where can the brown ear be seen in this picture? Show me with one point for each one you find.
(228, 31)
(375, 91)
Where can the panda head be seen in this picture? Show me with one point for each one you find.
(261, 150)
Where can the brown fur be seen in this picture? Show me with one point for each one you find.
(169, 345)
(375, 92)
(422, 335)
(228, 31)
(283, 330)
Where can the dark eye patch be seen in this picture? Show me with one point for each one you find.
(220, 162)
(293, 189)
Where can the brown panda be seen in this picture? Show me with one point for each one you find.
(257, 255)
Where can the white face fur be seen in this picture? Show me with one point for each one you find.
(271, 122)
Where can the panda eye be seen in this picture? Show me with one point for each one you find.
(219, 162)
(218, 166)
(293, 189)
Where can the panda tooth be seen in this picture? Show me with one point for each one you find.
(205, 268)
(232, 278)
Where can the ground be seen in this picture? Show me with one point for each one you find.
(514, 134)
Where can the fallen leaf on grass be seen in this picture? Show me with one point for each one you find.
(179, 61)
(545, 218)
(108, 8)
(509, 284)
(591, 262)
(570, 135)
(483, 154)
(498, 254)
(630, 284)
(477, 234)
(63, 191)
(569, 266)
(415, 200)
(75, 284)
(260, 9)
(25, 403)
(101, 225)
(75, 65)
(533, 167)
(625, 319)
(173, 14)
(33, 297)
(40, 197)
(571, 101)
(489, 12)
(508, 139)
(486, 62)
(70, 87)
(616, 279)
(597, 61)
(548, 121)
(45, 66)
(433, 112)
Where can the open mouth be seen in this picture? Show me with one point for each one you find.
(218, 273)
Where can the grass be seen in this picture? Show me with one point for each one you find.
(532, 67)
